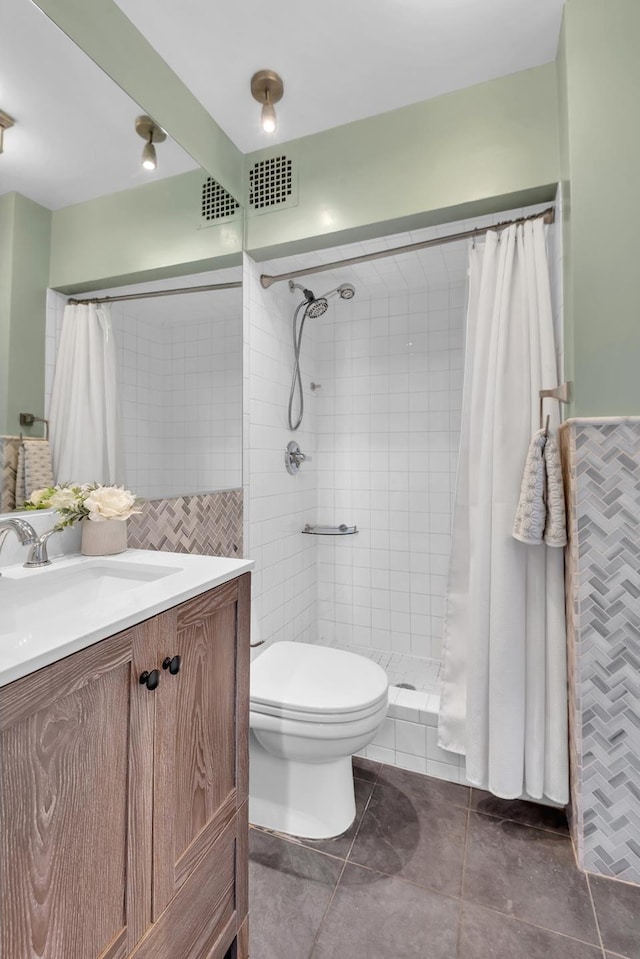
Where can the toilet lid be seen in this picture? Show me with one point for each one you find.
(315, 679)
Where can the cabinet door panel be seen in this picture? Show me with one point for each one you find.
(204, 770)
(196, 762)
(66, 826)
(201, 919)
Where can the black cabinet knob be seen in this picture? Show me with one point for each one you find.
(150, 679)
(172, 664)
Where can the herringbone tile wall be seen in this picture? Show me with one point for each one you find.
(602, 468)
(207, 523)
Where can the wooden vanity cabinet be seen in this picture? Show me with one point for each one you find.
(123, 805)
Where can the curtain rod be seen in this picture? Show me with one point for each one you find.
(145, 296)
(266, 280)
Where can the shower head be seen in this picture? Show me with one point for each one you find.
(317, 307)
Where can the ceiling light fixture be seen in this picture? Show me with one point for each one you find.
(267, 88)
(152, 133)
(5, 122)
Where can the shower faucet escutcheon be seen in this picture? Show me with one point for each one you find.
(294, 457)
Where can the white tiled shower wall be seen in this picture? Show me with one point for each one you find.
(180, 386)
(276, 504)
(388, 437)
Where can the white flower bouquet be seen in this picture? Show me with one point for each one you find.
(93, 502)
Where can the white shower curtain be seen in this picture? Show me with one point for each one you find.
(85, 435)
(503, 691)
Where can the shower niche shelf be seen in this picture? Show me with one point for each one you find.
(341, 530)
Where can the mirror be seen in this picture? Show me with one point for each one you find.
(179, 372)
(78, 213)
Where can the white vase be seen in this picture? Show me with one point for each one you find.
(104, 539)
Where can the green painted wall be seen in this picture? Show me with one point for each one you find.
(24, 271)
(601, 115)
(489, 147)
(145, 233)
(477, 150)
(565, 195)
(101, 29)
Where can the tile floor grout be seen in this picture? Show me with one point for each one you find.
(595, 915)
(534, 925)
(517, 822)
(462, 875)
(346, 861)
(325, 913)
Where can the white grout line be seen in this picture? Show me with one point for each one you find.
(595, 915)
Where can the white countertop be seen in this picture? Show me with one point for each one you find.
(49, 613)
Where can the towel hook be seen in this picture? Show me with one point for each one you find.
(560, 393)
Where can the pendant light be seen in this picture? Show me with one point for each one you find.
(267, 88)
(152, 133)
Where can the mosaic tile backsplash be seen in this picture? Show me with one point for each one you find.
(602, 473)
(206, 523)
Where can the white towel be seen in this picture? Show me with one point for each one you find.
(555, 529)
(531, 514)
(540, 516)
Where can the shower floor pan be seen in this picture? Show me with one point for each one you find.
(408, 736)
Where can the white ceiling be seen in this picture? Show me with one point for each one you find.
(74, 137)
(340, 61)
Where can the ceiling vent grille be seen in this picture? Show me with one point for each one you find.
(271, 184)
(217, 203)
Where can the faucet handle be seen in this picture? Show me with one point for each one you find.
(38, 553)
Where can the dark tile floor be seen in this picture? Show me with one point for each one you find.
(434, 870)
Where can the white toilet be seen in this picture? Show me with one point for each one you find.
(312, 708)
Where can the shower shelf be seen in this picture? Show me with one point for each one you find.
(341, 530)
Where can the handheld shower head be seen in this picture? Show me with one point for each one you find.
(346, 291)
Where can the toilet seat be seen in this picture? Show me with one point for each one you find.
(316, 684)
(306, 716)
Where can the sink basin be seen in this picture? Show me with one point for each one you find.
(91, 586)
(50, 580)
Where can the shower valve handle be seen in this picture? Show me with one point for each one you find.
(294, 457)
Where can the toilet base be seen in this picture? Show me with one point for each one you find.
(310, 800)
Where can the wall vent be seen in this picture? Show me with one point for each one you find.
(272, 184)
(217, 203)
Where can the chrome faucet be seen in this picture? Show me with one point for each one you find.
(38, 552)
(24, 531)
